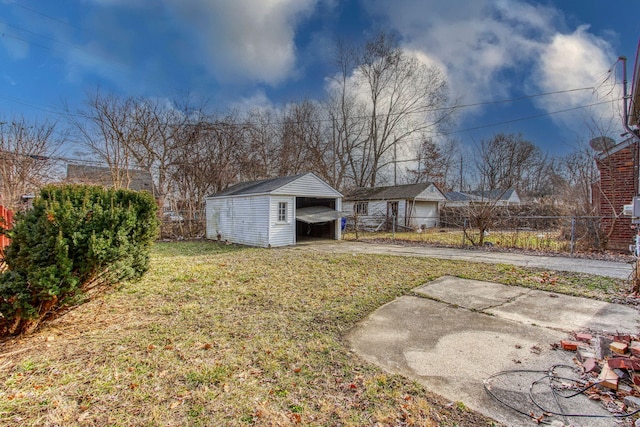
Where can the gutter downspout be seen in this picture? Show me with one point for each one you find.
(625, 123)
(625, 120)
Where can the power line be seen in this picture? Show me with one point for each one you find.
(276, 122)
(535, 116)
(44, 15)
(30, 42)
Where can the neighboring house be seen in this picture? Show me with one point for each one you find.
(412, 205)
(498, 197)
(275, 212)
(618, 166)
(133, 179)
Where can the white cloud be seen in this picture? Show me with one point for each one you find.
(244, 39)
(479, 42)
(257, 101)
(577, 60)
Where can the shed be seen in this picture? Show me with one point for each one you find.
(275, 212)
(412, 205)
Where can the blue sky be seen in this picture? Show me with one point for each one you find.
(246, 53)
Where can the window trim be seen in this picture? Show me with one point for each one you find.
(361, 208)
(282, 212)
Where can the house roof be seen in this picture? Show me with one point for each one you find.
(458, 196)
(618, 147)
(139, 180)
(396, 192)
(301, 184)
(257, 187)
(494, 194)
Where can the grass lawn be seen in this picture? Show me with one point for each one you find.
(220, 335)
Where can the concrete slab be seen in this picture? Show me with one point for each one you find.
(452, 345)
(567, 313)
(471, 294)
(529, 306)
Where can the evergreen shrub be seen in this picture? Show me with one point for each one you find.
(75, 242)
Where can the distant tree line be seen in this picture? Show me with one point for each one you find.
(382, 122)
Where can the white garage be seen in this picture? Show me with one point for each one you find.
(275, 212)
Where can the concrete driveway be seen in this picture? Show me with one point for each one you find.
(617, 270)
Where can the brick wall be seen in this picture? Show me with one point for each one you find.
(617, 186)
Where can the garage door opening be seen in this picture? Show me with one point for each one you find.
(316, 218)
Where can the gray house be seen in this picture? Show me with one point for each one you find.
(134, 179)
(275, 212)
(412, 205)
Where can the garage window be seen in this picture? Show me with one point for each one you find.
(282, 211)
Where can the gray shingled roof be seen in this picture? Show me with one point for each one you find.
(257, 187)
(458, 196)
(97, 175)
(494, 194)
(396, 192)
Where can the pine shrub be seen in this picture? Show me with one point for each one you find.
(76, 242)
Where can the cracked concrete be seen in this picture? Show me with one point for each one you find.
(454, 334)
(532, 307)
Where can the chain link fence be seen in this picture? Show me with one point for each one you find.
(544, 233)
(565, 234)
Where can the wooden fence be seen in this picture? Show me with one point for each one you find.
(6, 219)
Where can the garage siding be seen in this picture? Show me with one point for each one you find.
(306, 186)
(282, 233)
(239, 220)
(426, 214)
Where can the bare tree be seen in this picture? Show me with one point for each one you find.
(25, 164)
(502, 161)
(383, 99)
(158, 134)
(437, 163)
(106, 126)
(580, 173)
(304, 147)
(346, 114)
(207, 161)
(255, 159)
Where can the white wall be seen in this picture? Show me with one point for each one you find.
(308, 186)
(241, 220)
(282, 233)
(421, 213)
(425, 213)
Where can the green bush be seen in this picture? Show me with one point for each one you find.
(77, 241)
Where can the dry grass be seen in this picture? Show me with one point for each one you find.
(528, 240)
(218, 335)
